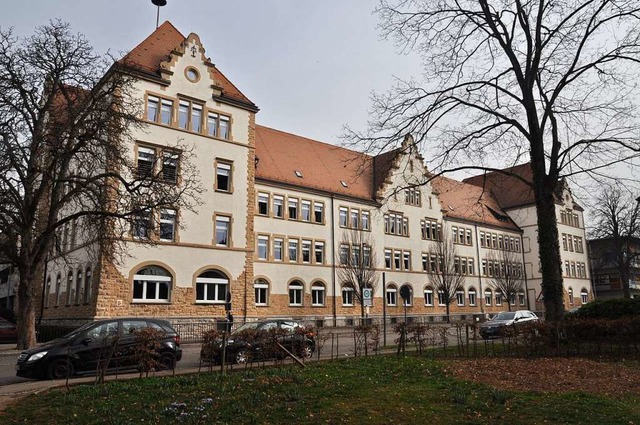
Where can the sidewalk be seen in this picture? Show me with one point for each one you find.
(9, 350)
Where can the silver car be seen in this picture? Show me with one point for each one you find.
(493, 327)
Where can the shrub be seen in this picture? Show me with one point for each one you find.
(609, 309)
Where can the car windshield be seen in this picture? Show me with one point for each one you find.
(74, 333)
(507, 315)
(247, 326)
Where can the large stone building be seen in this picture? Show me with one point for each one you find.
(277, 213)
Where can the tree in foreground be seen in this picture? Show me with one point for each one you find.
(356, 269)
(66, 120)
(507, 275)
(616, 217)
(448, 277)
(551, 82)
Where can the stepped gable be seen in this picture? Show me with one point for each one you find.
(510, 191)
(469, 202)
(323, 166)
(148, 56)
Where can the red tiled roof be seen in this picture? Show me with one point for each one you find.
(469, 202)
(509, 190)
(155, 49)
(323, 166)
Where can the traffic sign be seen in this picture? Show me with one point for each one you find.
(367, 297)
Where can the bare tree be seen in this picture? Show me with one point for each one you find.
(66, 120)
(507, 276)
(616, 214)
(553, 82)
(447, 277)
(356, 261)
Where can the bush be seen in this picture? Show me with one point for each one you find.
(609, 309)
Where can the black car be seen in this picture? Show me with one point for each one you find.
(500, 321)
(259, 341)
(80, 351)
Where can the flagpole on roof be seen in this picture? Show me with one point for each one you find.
(158, 3)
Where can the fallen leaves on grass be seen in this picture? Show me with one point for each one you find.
(550, 374)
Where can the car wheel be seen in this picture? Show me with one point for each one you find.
(167, 361)
(60, 369)
(306, 351)
(241, 357)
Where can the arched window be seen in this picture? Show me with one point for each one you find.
(212, 287)
(152, 284)
(347, 296)
(69, 287)
(58, 289)
(428, 296)
(498, 298)
(47, 292)
(317, 294)
(392, 295)
(488, 297)
(460, 296)
(261, 288)
(521, 298)
(571, 296)
(296, 290)
(584, 296)
(472, 296)
(87, 285)
(78, 286)
(408, 301)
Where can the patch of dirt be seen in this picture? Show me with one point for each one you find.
(550, 374)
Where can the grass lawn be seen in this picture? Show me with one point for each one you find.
(367, 390)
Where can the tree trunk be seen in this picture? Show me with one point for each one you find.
(26, 315)
(550, 260)
(448, 317)
(623, 269)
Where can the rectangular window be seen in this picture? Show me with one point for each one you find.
(355, 255)
(412, 196)
(567, 268)
(261, 289)
(277, 249)
(564, 242)
(428, 297)
(342, 217)
(293, 250)
(433, 263)
(521, 299)
(397, 260)
(167, 225)
(387, 258)
(317, 295)
(454, 234)
(223, 176)
(429, 229)
(469, 237)
(319, 252)
(482, 239)
(305, 210)
(441, 298)
(306, 251)
(425, 262)
(196, 118)
(223, 225)
(293, 208)
(344, 254)
(470, 267)
(142, 225)
(153, 104)
(146, 160)
(318, 212)
(392, 296)
(472, 298)
(212, 124)
(224, 127)
(365, 220)
(406, 260)
(366, 255)
(570, 242)
(396, 224)
(263, 247)
(183, 115)
(170, 167)
(278, 206)
(166, 114)
(347, 296)
(295, 294)
(263, 203)
(355, 219)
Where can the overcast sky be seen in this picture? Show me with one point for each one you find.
(309, 65)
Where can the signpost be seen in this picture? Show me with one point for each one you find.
(367, 297)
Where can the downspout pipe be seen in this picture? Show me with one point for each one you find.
(333, 262)
(480, 289)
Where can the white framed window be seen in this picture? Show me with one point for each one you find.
(69, 287)
(212, 287)
(224, 132)
(428, 296)
(392, 295)
(263, 203)
(223, 176)
(295, 293)
(441, 298)
(460, 297)
(472, 297)
(146, 161)
(319, 252)
(278, 206)
(488, 297)
(277, 249)
(305, 210)
(261, 288)
(87, 285)
(213, 120)
(344, 254)
(153, 108)
(409, 301)
(166, 112)
(347, 296)
(306, 251)
(387, 259)
(584, 296)
(342, 216)
(152, 284)
(167, 225)
(293, 250)
(570, 296)
(293, 208)
(318, 212)
(142, 225)
(406, 260)
(498, 298)
(521, 298)
(365, 220)
(79, 286)
(317, 294)
(223, 226)
(355, 219)
(263, 247)
(170, 167)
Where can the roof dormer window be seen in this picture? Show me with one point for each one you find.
(344, 183)
(298, 173)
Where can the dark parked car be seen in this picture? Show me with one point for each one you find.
(80, 351)
(493, 327)
(8, 331)
(256, 341)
